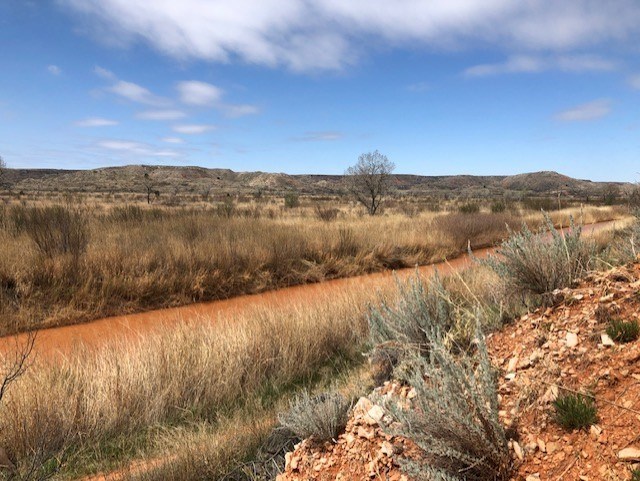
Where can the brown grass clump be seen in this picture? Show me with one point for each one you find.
(194, 373)
(62, 265)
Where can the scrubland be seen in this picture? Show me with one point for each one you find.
(65, 263)
(199, 401)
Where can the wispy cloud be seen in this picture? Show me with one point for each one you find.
(241, 110)
(137, 93)
(161, 115)
(534, 64)
(194, 92)
(135, 148)
(319, 136)
(173, 140)
(588, 111)
(329, 34)
(418, 87)
(54, 70)
(193, 129)
(96, 122)
(634, 81)
(104, 73)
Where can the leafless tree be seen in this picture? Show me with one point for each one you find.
(369, 181)
(148, 185)
(3, 167)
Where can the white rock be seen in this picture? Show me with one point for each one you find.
(572, 339)
(629, 454)
(606, 340)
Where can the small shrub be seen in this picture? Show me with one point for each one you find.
(603, 314)
(321, 417)
(623, 331)
(635, 475)
(57, 230)
(498, 207)
(226, 209)
(540, 263)
(469, 208)
(326, 214)
(291, 200)
(575, 411)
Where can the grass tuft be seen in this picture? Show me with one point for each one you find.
(322, 417)
(575, 411)
(623, 331)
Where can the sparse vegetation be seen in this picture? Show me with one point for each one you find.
(321, 417)
(623, 331)
(575, 411)
(455, 416)
(106, 260)
(540, 263)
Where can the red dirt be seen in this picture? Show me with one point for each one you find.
(538, 357)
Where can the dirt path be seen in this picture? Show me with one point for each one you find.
(63, 340)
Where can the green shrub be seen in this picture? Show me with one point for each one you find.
(498, 207)
(540, 263)
(469, 208)
(420, 310)
(322, 417)
(454, 417)
(635, 475)
(623, 331)
(291, 200)
(575, 411)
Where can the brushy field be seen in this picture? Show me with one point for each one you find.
(199, 401)
(69, 263)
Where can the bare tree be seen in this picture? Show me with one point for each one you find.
(3, 167)
(369, 181)
(148, 185)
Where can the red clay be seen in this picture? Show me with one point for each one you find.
(63, 340)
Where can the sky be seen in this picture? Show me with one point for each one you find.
(305, 86)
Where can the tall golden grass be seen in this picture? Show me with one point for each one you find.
(199, 392)
(69, 264)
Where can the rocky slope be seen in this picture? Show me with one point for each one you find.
(201, 181)
(562, 348)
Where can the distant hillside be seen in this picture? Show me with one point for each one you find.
(198, 180)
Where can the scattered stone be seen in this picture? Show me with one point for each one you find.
(572, 339)
(606, 340)
(630, 454)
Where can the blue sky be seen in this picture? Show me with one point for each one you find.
(302, 86)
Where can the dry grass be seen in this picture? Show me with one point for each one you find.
(128, 259)
(176, 391)
(92, 405)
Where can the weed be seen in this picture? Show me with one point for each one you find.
(575, 411)
(540, 263)
(322, 417)
(623, 331)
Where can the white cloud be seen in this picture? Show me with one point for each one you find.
(589, 111)
(239, 110)
(194, 92)
(135, 148)
(136, 93)
(54, 70)
(173, 140)
(329, 34)
(104, 73)
(161, 115)
(418, 87)
(320, 136)
(96, 122)
(534, 64)
(634, 81)
(192, 129)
